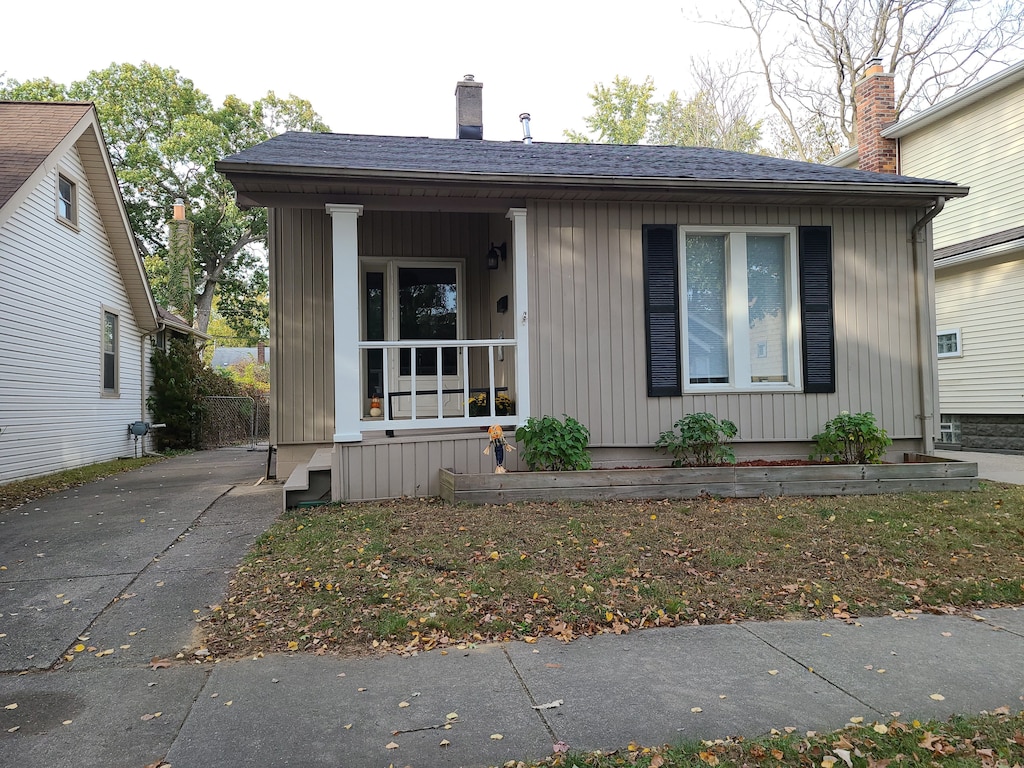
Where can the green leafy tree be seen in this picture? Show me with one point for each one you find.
(622, 113)
(717, 116)
(164, 136)
(180, 382)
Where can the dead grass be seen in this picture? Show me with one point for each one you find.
(412, 575)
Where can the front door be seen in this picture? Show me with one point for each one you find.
(414, 301)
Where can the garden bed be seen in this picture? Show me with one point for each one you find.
(917, 472)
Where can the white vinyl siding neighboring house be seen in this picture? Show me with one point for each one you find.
(981, 147)
(986, 306)
(56, 286)
(67, 393)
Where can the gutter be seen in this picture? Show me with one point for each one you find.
(922, 187)
(924, 282)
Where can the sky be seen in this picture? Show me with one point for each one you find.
(381, 66)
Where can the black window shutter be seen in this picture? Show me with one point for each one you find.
(661, 307)
(817, 319)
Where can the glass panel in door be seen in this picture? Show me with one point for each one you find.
(427, 300)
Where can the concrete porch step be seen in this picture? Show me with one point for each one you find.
(310, 480)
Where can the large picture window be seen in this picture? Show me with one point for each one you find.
(741, 322)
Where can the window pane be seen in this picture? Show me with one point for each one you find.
(766, 307)
(64, 199)
(109, 351)
(374, 304)
(948, 344)
(706, 326)
(427, 309)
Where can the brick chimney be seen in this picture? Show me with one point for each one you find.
(876, 110)
(469, 109)
(180, 250)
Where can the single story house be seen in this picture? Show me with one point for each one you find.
(977, 137)
(622, 285)
(77, 312)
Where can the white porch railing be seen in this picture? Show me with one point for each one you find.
(418, 390)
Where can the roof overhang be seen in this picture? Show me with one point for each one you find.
(299, 186)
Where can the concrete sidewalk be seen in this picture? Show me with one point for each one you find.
(134, 586)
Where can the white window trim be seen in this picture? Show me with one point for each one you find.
(739, 330)
(116, 390)
(959, 342)
(75, 199)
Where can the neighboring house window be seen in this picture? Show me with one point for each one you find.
(949, 428)
(740, 316)
(735, 309)
(110, 344)
(949, 343)
(67, 200)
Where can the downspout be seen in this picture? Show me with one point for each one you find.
(924, 277)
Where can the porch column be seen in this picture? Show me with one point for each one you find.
(520, 292)
(346, 322)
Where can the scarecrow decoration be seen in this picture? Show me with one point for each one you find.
(499, 444)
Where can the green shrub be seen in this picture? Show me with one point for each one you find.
(852, 438)
(698, 440)
(180, 381)
(548, 443)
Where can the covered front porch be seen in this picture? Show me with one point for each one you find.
(426, 315)
(429, 336)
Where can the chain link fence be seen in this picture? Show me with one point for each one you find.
(231, 421)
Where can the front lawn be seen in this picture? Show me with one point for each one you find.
(412, 574)
(989, 740)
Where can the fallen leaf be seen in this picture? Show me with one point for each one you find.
(857, 720)
(152, 716)
(78, 648)
(549, 705)
(403, 704)
(947, 634)
(11, 706)
(773, 671)
(879, 728)
(66, 722)
(452, 716)
(844, 755)
(937, 697)
(229, 703)
(656, 762)
(12, 730)
(348, 727)
(497, 736)
(560, 747)
(695, 710)
(391, 745)
(107, 652)
(444, 743)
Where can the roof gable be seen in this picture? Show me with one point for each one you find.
(34, 136)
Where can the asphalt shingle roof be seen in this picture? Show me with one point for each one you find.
(29, 132)
(338, 151)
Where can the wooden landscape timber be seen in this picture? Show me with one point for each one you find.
(917, 473)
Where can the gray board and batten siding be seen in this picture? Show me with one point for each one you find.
(586, 298)
(586, 209)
